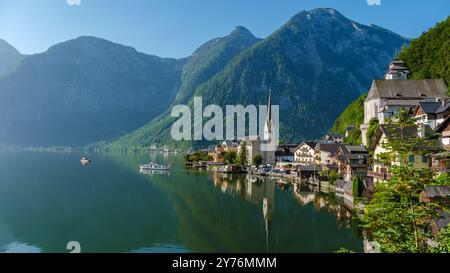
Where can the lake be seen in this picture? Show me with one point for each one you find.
(50, 199)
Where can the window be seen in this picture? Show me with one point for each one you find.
(411, 158)
(424, 159)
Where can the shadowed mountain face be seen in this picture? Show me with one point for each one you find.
(315, 64)
(84, 90)
(210, 58)
(10, 58)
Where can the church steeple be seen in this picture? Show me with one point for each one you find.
(268, 124)
(397, 70)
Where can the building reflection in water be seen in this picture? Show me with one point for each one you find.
(323, 201)
(261, 191)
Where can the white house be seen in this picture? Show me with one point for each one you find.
(326, 152)
(305, 153)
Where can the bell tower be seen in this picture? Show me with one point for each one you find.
(397, 70)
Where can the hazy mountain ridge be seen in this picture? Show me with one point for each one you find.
(10, 58)
(84, 90)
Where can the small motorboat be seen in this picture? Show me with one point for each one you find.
(154, 167)
(85, 161)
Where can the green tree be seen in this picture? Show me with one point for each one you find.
(230, 157)
(354, 137)
(395, 215)
(373, 126)
(443, 179)
(257, 160)
(442, 240)
(242, 159)
(332, 177)
(358, 187)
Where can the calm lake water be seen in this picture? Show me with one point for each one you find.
(49, 199)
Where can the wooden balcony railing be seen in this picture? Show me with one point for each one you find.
(385, 176)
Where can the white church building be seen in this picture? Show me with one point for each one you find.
(396, 91)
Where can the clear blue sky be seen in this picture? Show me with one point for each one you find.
(175, 28)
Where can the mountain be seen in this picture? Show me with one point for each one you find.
(315, 65)
(427, 57)
(201, 66)
(210, 58)
(82, 91)
(10, 58)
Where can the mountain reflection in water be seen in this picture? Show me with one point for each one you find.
(49, 199)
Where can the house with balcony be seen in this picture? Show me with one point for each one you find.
(441, 161)
(381, 169)
(431, 113)
(305, 153)
(352, 161)
(326, 153)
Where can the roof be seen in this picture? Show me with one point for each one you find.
(430, 107)
(291, 147)
(399, 102)
(283, 152)
(430, 88)
(437, 191)
(309, 168)
(311, 144)
(391, 130)
(441, 155)
(354, 148)
(443, 108)
(443, 220)
(286, 150)
(443, 125)
(328, 147)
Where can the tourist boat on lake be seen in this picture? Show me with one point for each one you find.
(154, 167)
(85, 161)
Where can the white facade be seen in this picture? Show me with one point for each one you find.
(325, 158)
(304, 154)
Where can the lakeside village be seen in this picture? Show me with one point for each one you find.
(405, 137)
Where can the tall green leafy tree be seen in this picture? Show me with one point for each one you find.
(242, 159)
(230, 157)
(257, 160)
(358, 187)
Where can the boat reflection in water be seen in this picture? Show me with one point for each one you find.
(155, 172)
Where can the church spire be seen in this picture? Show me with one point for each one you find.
(268, 123)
